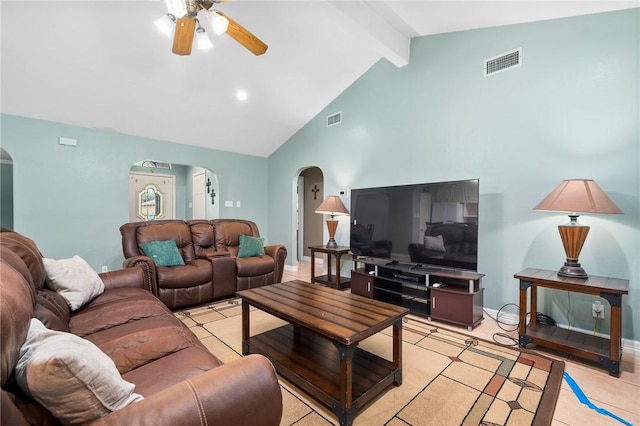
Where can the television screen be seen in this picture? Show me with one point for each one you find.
(427, 224)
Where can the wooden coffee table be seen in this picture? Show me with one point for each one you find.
(318, 350)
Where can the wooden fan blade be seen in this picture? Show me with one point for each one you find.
(183, 38)
(244, 37)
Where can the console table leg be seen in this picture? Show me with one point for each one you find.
(245, 327)
(397, 352)
(615, 335)
(522, 327)
(338, 268)
(313, 265)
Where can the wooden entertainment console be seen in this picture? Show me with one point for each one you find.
(450, 295)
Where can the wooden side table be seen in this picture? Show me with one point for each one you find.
(606, 351)
(330, 279)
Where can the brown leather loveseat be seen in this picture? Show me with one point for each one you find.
(180, 381)
(212, 268)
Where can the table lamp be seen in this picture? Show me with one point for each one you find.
(573, 196)
(333, 206)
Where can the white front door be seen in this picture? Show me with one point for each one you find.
(151, 197)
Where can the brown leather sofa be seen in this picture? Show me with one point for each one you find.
(180, 380)
(211, 267)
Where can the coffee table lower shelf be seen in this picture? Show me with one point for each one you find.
(312, 362)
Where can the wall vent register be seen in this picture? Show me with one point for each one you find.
(503, 62)
(333, 119)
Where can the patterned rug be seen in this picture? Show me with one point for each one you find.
(449, 378)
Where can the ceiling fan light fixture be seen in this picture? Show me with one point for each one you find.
(218, 22)
(202, 39)
(166, 24)
(177, 8)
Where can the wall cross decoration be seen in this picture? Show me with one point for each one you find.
(315, 191)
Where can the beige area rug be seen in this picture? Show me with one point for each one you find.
(448, 378)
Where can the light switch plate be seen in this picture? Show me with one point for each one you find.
(67, 141)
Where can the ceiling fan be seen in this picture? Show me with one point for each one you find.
(184, 13)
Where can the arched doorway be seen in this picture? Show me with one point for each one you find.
(309, 224)
(162, 190)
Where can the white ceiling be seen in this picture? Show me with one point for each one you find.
(103, 64)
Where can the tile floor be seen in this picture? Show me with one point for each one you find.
(618, 396)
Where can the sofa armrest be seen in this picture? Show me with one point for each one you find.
(242, 392)
(414, 251)
(148, 268)
(279, 254)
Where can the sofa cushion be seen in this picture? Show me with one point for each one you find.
(434, 243)
(163, 253)
(175, 230)
(204, 241)
(70, 376)
(250, 246)
(52, 310)
(192, 274)
(193, 360)
(23, 255)
(228, 233)
(74, 280)
(255, 266)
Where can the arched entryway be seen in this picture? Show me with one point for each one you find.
(162, 190)
(309, 224)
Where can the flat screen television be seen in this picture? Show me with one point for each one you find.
(426, 224)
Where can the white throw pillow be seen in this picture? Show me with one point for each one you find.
(434, 243)
(70, 376)
(74, 280)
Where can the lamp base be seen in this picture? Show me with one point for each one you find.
(572, 269)
(332, 226)
(573, 236)
(332, 244)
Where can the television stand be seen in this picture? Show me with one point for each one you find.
(445, 294)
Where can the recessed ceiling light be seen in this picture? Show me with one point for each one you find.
(242, 95)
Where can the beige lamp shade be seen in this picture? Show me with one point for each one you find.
(576, 196)
(579, 196)
(332, 205)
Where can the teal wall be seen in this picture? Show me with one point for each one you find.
(74, 200)
(570, 111)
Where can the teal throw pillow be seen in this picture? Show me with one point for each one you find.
(163, 253)
(250, 246)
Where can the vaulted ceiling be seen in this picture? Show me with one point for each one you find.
(103, 64)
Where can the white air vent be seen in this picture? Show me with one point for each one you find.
(333, 119)
(503, 62)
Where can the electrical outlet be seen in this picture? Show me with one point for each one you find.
(105, 268)
(597, 310)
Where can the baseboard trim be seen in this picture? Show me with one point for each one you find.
(630, 347)
(294, 268)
